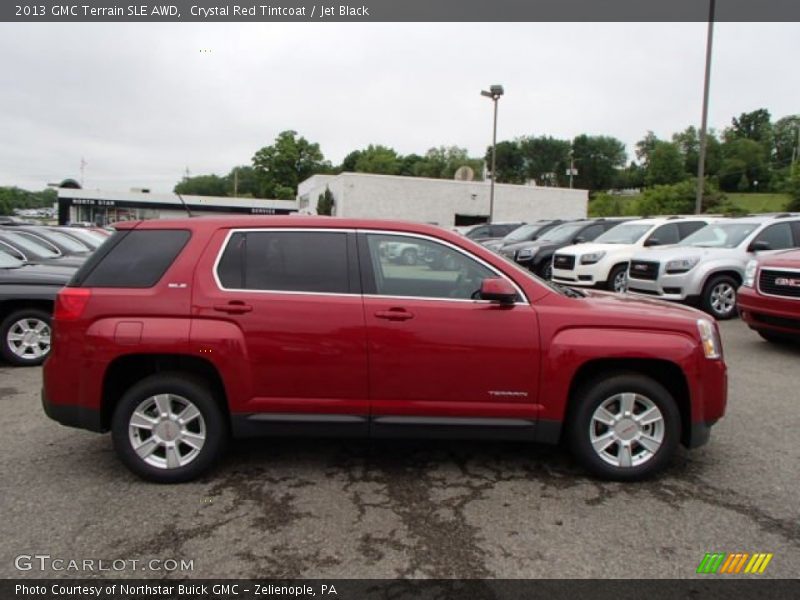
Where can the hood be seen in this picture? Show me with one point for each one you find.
(36, 275)
(579, 249)
(665, 253)
(640, 308)
(530, 244)
(789, 259)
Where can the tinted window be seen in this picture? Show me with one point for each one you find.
(439, 271)
(135, 259)
(286, 261)
(478, 232)
(666, 234)
(720, 235)
(688, 228)
(591, 232)
(778, 236)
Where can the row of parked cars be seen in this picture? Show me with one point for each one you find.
(35, 263)
(709, 262)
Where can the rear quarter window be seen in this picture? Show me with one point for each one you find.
(132, 259)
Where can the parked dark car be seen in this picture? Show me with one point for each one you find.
(525, 233)
(35, 250)
(769, 299)
(65, 244)
(537, 255)
(486, 232)
(27, 293)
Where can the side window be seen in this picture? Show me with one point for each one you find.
(286, 261)
(778, 236)
(11, 251)
(666, 234)
(688, 228)
(137, 260)
(796, 230)
(479, 232)
(591, 232)
(437, 271)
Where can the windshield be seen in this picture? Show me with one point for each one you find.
(89, 238)
(8, 262)
(67, 242)
(720, 235)
(522, 233)
(562, 233)
(23, 242)
(627, 233)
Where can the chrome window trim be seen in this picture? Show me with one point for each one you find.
(41, 241)
(15, 249)
(346, 230)
(758, 283)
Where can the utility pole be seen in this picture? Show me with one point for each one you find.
(494, 93)
(701, 164)
(83, 169)
(236, 182)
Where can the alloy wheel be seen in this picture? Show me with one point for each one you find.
(723, 298)
(627, 430)
(29, 338)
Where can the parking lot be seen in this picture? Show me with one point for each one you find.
(326, 509)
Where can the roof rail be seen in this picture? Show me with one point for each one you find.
(782, 215)
(672, 217)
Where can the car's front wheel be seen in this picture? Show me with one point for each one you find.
(168, 428)
(719, 297)
(624, 427)
(618, 279)
(26, 337)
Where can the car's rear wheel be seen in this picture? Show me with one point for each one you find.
(26, 337)
(776, 338)
(625, 427)
(719, 297)
(168, 428)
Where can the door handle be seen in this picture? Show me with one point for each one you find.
(233, 308)
(395, 314)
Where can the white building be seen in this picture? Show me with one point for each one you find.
(443, 202)
(104, 207)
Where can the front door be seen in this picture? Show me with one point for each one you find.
(438, 353)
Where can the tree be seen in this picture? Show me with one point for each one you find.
(203, 185)
(645, 147)
(378, 159)
(349, 162)
(444, 161)
(786, 135)
(282, 166)
(688, 143)
(509, 163)
(597, 159)
(243, 182)
(544, 155)
(755, 125)
(326, 203)
(665, 165)
(742, 156)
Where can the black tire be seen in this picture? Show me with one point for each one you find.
(545, 270)
(409, 257)
(776, 338)
(613, 275)
(186, 387)
(581, 427)
(712, 300)
(11, 327)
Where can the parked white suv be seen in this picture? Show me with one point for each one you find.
(604, 262)
(709, 266)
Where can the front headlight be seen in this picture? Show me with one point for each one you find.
(526, 253)
(592, 258)
(750, 273)
(712, 347)
(682, 265)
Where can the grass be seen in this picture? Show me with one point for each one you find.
(758, 203)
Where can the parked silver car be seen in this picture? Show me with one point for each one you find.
(708, 266)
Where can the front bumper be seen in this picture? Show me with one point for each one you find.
(769, 313)
(678, 287)
(581, 275)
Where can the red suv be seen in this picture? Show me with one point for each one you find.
(176, 335)
(769, 299)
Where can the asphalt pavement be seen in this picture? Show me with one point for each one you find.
(336, 509)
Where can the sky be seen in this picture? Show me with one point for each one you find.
(142, 103)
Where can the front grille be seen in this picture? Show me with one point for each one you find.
(564, 261)
(779, 283)
(776, 321)
(640, 291)
(643, 269)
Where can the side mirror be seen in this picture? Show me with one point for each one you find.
(653, 242)
(759, 246)
(498, 290)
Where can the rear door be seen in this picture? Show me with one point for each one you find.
(294, 296)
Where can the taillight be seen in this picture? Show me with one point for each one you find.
(70, 303)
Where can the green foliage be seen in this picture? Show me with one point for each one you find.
(509, 163)
(666, 165)
(793, 189)
(378, 159)
(283, 165)
(14, 197)
(608, 205)
(325, 203)
(444, 161)
(786, 136)
(673, 199)
(742, 156)
(597, 159)
(203, 185)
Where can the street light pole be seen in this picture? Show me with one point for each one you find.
(494, 93)
(701, 163)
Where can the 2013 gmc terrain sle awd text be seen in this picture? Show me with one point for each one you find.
(177, 335)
